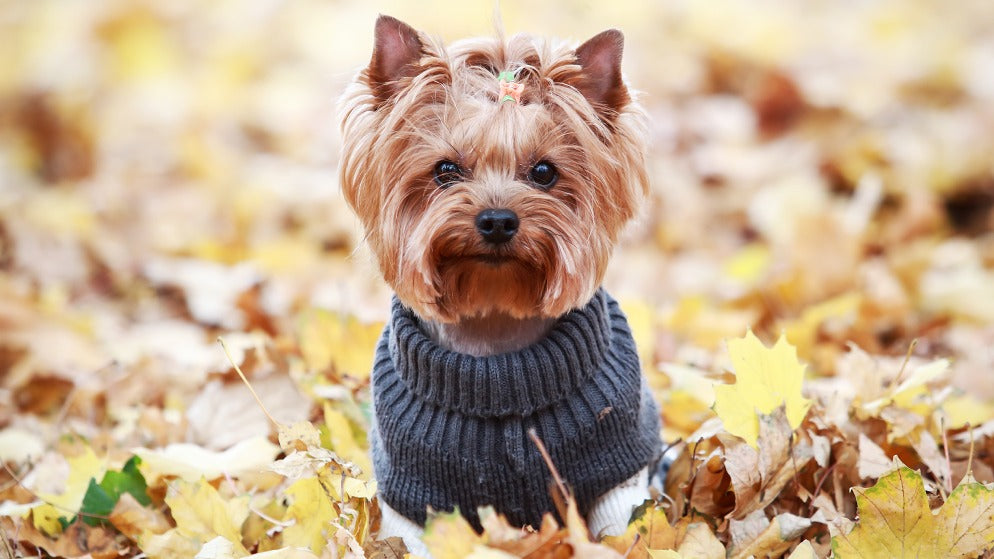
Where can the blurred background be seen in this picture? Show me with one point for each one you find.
(168, 174)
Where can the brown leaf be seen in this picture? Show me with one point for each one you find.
(873, 462)
(390, 548)
(710, 493)
(759, 537)
(696, 540)
(78, 540)
(132, 519)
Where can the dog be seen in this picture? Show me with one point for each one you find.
(492, 178)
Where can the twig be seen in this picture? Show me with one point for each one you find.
(949, 464)
(907, 357)
(693, 474)
(821, 482)
(638, 537)
(969, 460)
(247, 383)
(793, 458)
(548, 462)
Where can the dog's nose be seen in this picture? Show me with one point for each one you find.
(497, 226)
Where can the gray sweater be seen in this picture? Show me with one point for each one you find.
(451, 429)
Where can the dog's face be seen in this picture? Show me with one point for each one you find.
(474, 203)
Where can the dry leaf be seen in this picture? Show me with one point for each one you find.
(309, 515)
(895, 520)
(766, 378)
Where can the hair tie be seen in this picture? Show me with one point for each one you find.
(509, 90)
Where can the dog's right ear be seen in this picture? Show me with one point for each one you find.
(397, 50)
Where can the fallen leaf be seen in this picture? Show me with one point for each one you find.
(201, 514)
(218, 548)
(766, 378)
(803, 551)
(133, 519)
(82, 469)
(699, 542)
(449, 536)
(328, 339)
(191, 462)
(873, 462)
(776, 537)
(311, 514)
(650, 525)
(895, 520)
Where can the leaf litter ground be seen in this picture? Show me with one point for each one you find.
(821, 175)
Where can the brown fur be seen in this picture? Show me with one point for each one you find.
(417, 104)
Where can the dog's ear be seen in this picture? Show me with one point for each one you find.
(600, 80)
(397, 50)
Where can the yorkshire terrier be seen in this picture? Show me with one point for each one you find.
(492, 178)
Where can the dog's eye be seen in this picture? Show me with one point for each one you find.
(544, 174)
(447, 173)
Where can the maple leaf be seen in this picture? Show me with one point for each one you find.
(765, 378)
(895, 520)
(450, 536)
(201, 514)
(311, 512)
(650, 525)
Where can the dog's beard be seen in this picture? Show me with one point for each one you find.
(447, 271)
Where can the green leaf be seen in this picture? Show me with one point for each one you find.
(101, 498)
(96, 501)
(128, 480)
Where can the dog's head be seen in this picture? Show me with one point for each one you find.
(492, 176)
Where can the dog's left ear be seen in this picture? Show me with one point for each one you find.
(600, 81)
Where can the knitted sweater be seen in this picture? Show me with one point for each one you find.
(451, 429)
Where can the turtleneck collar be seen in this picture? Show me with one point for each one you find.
(508, 384)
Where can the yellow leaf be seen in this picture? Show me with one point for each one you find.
(449, 536)
(803, 331)
(218, 548)
(481, 552)
(82, 468)
(698, 318)
(329, 339)
(913, 388)
(640, 320)
(765, 378)
(343, 441)
(170, 545)
(46, 518)
(312, 512)
(284, 553)
(749, 264)
(653, 530)
(289, 254)
(803, 551)
(964, 409)
(664, 554)
(140, 46)
(303, 431)
(895, 521)
(201, 514)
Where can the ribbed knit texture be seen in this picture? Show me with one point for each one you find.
(451, 429)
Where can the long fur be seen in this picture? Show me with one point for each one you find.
(424, 236)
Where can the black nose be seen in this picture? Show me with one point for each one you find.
(497, 226)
